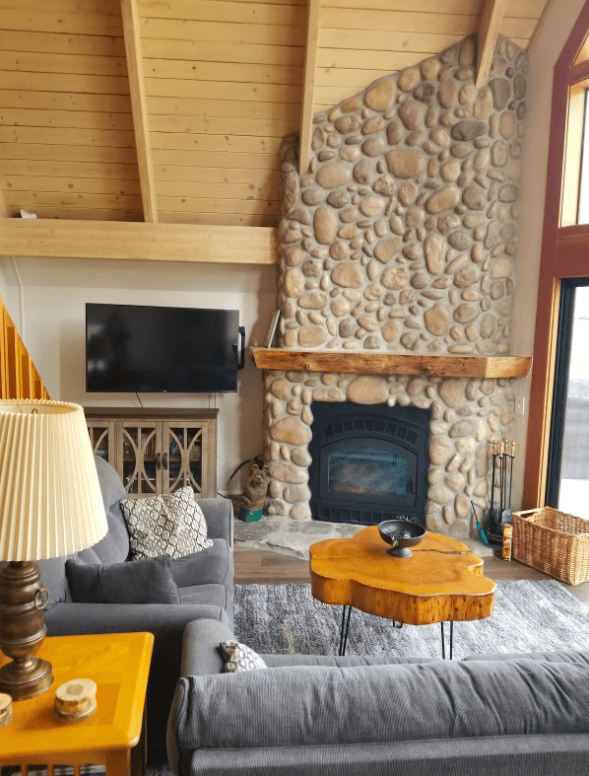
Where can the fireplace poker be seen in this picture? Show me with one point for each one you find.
(492, 512)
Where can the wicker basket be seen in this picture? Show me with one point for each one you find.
(552, 542)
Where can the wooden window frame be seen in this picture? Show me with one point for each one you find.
(565, 253)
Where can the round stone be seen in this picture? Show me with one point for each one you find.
(296, 493)
(394, 132)
(390, 331)
(437, 320)
(311, 269)
(501, 91)
(468, 129)
(439, 136)
(467, 52)
(411, 114)
(371, 206)
(312, 336)
(430, 68)
(474, 198)
(381, 96)
(352, 104)
(367, 389)
(280, 388)
(385, 186)
(347, 275)
(348, 124)
(502, 268)
(313, 301)
(332, 175)
(444, 199)
(290, 430)
(300, 512)
(286, 473)
(462, 428)
(374, 146)
(405, 164)
(440, 450)
(424, 92)
(394, 278)
(465, 313)
(375, 124)
(407, 193)
(294, 283)
(300, 456)
(448, 223)
(466, 94)
(338, 250)
(519, 86)
(459, 240)
(347, 327)
(450, 170)
(466, 276)
(435, 251)
(483, 106)
(368, 323)
(386, 249)
(487, 326)
(291, 191)
(337, 199)
(294, 255)
(324, 225)
(339, 308)
(373, 293)
(506, 125)
(450, 391)
(363, 171)
(446, 94)
(408, 79)
(311, 196)
(508, 193)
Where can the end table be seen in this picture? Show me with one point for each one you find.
(119, 664)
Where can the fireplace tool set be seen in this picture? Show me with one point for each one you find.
(499, 513)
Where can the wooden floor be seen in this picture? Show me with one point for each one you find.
(261, 567)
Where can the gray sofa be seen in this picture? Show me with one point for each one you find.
(494, 715)
(205, 585)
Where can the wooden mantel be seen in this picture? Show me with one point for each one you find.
(392, 363)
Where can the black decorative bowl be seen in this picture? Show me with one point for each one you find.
(401, 535)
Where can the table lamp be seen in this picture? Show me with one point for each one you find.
(50, 505)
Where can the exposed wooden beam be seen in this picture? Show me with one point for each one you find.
(130, 19)
(116, 240)
(392, 363)
(309, 84)
(488, 31)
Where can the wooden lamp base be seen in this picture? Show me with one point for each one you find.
(22, 631)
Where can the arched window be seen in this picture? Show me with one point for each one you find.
(558, 431)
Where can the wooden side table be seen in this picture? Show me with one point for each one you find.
(119, 664)
(442, 581)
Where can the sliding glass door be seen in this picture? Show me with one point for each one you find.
(568, 475)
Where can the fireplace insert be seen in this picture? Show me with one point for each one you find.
(370, 463)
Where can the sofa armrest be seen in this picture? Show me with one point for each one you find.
(200, 653)
(218, 513)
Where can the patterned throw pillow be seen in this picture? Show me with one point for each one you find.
(171, 524)
(237, 657)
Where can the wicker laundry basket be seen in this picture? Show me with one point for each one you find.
(552, 542)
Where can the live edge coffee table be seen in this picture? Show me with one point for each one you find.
(441, 582)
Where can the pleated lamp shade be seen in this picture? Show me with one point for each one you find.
(50, 500)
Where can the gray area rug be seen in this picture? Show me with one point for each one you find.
(528, 617)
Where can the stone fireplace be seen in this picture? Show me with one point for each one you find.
(401, 238)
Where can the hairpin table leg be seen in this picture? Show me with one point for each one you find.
(444, 640)
(343, 640)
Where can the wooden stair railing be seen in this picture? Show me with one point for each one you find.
(19, 378)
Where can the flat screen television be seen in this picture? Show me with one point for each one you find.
(136, 348)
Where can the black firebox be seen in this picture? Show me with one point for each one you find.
(370, 462)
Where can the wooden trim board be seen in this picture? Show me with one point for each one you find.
(59, 239)
(392, 363)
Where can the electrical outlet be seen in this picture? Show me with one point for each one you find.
(520, 405)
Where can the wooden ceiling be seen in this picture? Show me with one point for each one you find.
(172, 111)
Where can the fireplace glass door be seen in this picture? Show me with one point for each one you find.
(373, 467)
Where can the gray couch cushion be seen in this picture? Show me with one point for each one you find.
(146, 581)
(311, 706)
(215, 595)
(114, 548)
(54, 579)
(213, 566)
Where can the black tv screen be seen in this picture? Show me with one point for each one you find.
(135, 348)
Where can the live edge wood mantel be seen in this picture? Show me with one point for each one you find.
(392, 363)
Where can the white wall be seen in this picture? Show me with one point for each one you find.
(546, 50)
(55, 296)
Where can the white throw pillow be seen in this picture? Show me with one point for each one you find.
(171, 524)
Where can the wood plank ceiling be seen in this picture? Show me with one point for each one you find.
(206, 91)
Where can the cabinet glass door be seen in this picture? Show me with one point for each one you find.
(102, 439)
(182, 458)
(140, 460)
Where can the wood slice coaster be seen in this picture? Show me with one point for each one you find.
(5, 709)
(75, 700)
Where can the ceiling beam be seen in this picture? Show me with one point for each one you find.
(127, 240)
(130, 19)
(309, 84)
(488, 30)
